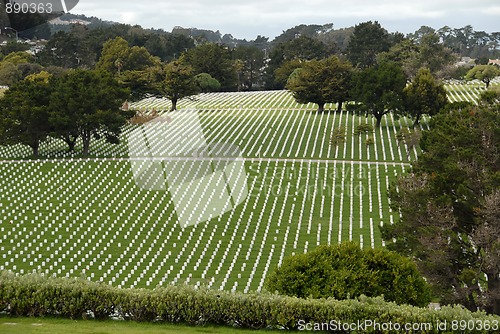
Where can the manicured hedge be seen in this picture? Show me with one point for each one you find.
(36, 295)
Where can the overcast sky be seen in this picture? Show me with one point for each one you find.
(247, 19)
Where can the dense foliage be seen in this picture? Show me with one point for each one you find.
(24, 114)
(425, 52)
(367, 40)
(424, 95)
(322, 81)
(79, 104)
(179, 82)
(215, 60)
(378, 90)
(87, 104)
(347, 271)
(449, 205)
(36, 295)
(485, 73)
(248, 65)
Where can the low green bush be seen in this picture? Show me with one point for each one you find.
(37, 295)
(345, 271)
(363, 128)
(338, 136)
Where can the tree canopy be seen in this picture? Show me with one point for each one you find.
(322, 81)
(206, 83)
(449, 206)
(9, 73)
(367, 40)
(300, 49)
(87, 104)
(252, 61)
(490, 96)
(378, 90)
(426, 51)
(117, 56)
(215, 60)
(178, 82)
(424, 96)
(24, 114)
(69, 50)
(484, 73)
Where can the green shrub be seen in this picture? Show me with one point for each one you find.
(135, 304)
(37, 295)
(369, 141)
(363, 128)
(338, 136)
(345, 271)
(402, 135)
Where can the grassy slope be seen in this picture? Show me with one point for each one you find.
(64, 326)
(89, 218)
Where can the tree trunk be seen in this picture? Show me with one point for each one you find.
(251, 76)
(417, 120)
(86, 143)
(70, 142)
(321, 107)
(174, 104)
(378, 117)
(35, 146)
(493, 306)
(339, 106)
(71, 145)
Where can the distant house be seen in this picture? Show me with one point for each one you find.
(494, 62)
(80, 22)
(73, 21)
(34, 50)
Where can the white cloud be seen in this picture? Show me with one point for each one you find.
(128, 17)
(269, 18)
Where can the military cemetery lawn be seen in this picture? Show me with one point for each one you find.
(72, 217)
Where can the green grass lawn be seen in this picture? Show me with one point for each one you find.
(64, 326)
(90, 218)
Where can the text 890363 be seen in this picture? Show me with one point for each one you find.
(34, 7)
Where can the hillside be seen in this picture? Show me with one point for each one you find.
(96, 218)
